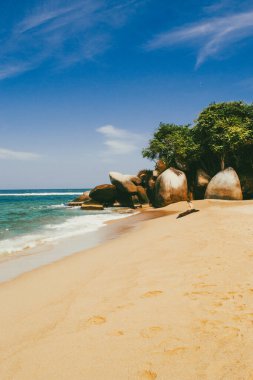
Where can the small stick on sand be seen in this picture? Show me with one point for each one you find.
(189, 211)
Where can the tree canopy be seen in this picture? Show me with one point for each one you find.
(226, 131)
(174, 144)
(221, 136)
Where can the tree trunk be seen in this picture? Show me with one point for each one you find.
(222, 163)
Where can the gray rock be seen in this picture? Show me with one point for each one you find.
(224, 185)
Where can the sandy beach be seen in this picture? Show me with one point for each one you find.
(169, 299)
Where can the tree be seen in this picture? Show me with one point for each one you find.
(225, 133)
(174, 144)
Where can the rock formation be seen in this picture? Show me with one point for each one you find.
(142, 195)
(123, 182)
(246, 180)
(170, 187)
(201, 182)
(92, 205)
(105, 194)
(82, 198)
(224, 185)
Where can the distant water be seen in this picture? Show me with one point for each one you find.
(30, 218)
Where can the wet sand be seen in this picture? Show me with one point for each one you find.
(14, 265)
(167, 299)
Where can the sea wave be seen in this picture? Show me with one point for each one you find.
(51, 233)
(38, 194)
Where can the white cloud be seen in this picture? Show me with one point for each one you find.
(212, 35)
(119, 141)
(7, 154)
(63, 33)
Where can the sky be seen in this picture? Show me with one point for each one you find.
(85, 83)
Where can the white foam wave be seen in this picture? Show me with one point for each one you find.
(37, 194)
(52, 233)
(62, 205)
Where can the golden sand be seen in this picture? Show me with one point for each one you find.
(171, 299)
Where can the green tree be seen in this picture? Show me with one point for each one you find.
(225, 133)
(174, 144)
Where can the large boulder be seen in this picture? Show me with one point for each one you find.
(170, 187)
(105, 194)
(92, 205)
(224, 185)
(123, 182)
(82, 198)
(133, 178)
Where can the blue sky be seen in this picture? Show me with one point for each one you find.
(84, 83)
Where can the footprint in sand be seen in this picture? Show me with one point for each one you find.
(148, 375)
(96, 320)
(152, 293)
(92, 321)
(150, 332)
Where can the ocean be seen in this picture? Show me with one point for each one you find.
(33, 218)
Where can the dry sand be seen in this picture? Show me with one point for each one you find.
(171, 299)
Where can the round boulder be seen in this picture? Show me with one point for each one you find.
(224, 185)
(104, 193)
(170, 187)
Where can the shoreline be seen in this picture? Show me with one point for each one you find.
(16, 264)
(168, 299)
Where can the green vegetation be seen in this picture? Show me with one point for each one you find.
(174, 144)
(222, 136)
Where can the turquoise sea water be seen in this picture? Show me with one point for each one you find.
(29, 218)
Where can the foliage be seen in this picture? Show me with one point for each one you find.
(174, 145)
(222, 136)
(225, 131)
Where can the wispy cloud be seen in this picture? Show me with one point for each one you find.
(7, 154)
(61, 33)
(119, 141)
(212, 35)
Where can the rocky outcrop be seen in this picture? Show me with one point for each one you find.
(142, 195)
(124, 199)
(170, 187)
(92, 205)
(201, 182)
(105, 194)
(133, 178)
(74, 204)
(224, 185)
(160, 166)
(123, 182)
(247, 185)
(202, 178)
(82, 198)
